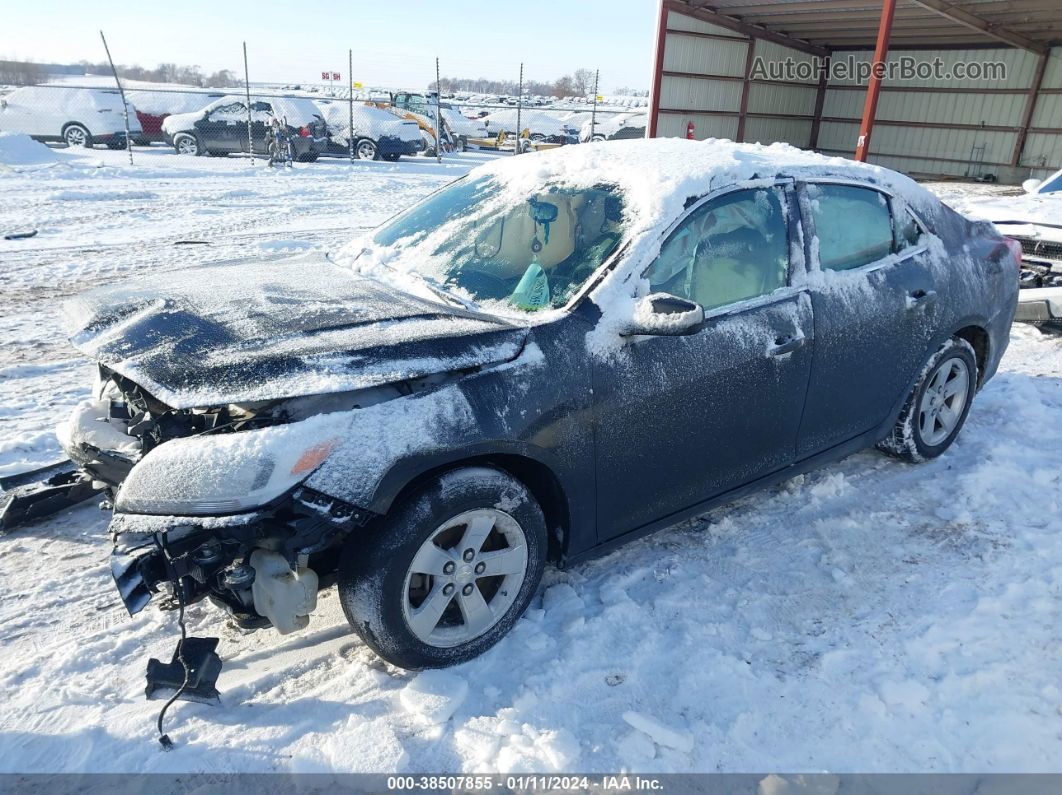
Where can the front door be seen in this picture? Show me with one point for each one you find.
(221, 128)
(874, 298)
(682, 419)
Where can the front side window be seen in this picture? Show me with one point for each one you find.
(523, 250)
(731, 249)
(234, 111)
(853, 225)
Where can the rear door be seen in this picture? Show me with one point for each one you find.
(682, 419)
(875, 304)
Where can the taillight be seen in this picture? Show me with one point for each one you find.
(304, 132)
(1015, 250)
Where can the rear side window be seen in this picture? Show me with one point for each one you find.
(853, 225)
(907, 229)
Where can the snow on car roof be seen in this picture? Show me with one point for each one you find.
(158, 103)
(658, 175)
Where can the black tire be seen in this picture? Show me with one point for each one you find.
(373, 569)
(462, 143)
(906, 439)
(307, 157)
(77, 135)
(365, 149)
(391, 157)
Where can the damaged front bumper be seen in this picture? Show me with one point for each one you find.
(263, 567)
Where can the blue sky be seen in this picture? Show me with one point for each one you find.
(395, 43)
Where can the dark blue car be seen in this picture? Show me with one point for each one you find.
(552, 356)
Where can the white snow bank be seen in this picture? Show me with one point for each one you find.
(18, 149)
(434, 695)
(660, 733)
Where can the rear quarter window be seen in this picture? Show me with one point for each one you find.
(853, 225)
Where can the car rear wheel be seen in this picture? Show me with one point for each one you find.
(448, 572)
(77, 135)
(365, 149)
(936, 409)
(186, 144)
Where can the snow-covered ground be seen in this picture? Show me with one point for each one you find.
(871, 616)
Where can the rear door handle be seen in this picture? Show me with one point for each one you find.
(787, 344)
(921, 298)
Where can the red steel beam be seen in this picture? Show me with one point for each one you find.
(820, 101)
(740, 137)
(881, 55)
(658, 70)
(1030, 108)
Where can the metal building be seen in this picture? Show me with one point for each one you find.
(981, 96)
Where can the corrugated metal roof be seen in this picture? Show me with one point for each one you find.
(1031, 24)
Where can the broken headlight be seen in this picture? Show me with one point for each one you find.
(232, 472)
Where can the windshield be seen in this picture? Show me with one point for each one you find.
(530, 254)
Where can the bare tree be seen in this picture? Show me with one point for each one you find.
(19, 73)
(583, 81)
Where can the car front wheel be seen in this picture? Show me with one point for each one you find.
(186, 144)
(936, 409)
(448, 572)
(76, 135)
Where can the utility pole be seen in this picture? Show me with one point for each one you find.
(121, 93)
(247, 87)
(593, 111)
(438, 114)
(519, 108)
(350, 75)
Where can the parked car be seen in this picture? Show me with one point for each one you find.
(378, 134)
(540, 125)
(1035, 221)
(153, 107)
(554, 355)
(75, 116)
(614, 128)
(220, 128)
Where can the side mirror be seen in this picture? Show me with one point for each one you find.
(1030, 185)
(663, 315)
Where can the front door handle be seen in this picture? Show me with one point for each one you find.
(787, 344)
(919, 299)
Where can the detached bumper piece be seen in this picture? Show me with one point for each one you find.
(41, 492)
(204, 665)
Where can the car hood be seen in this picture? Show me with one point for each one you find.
(268, 329)
(179, 122)
(1036, 216)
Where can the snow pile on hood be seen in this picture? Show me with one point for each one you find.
(369, 122)
(18, 149)
(1028, 215)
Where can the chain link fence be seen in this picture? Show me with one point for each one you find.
(298, 122)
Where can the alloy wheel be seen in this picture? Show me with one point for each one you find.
(186, 145)
(465, 577)
(941, 406)
(75, 136)
(366, 150)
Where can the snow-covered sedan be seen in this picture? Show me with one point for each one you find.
(378, 134)
(75, 116)
(552, 356)
(1035, 221)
